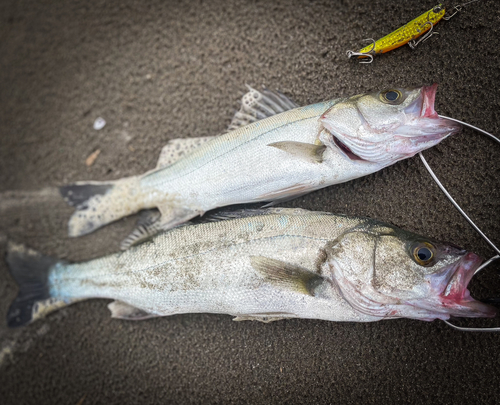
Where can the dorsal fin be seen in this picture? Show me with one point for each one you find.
(225, 214)
(257, 105)
(177, 148)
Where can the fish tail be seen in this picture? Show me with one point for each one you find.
(30, 270)
(99, 203)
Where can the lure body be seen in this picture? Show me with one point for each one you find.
(406, 33)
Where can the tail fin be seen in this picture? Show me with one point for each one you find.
(30, 269)
(98, 204)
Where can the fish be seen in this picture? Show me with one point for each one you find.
(274, 151)
(263, 265)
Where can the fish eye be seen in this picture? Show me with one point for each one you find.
(423, 253)
(391, 96)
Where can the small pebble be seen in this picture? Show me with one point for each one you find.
(99, 123)
(92, 157)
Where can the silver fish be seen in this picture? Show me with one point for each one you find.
(282, 156)
(262, 265)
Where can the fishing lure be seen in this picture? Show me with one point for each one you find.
(407, 34)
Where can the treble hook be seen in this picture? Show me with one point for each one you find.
(364, 55)
(413, 44)
(447, 194)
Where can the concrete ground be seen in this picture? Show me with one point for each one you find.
(158, 70)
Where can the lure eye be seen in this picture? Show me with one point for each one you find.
(437, 9)
(391, 96)
(423, 253)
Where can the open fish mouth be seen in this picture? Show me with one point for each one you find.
(456, 297)
(440, 295)
(425, 124)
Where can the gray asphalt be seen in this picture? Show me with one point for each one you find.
(159, 70)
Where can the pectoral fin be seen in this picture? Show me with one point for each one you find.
(121, 310)
(286, 275)
(306, 151)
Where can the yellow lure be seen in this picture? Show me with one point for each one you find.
(406, 33)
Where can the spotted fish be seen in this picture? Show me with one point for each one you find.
(261, 265)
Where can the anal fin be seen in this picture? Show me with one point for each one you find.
(122, 310)
(285, 194)
(146, 227)
(153, 221)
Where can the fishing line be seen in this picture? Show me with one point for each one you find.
(457, 9)
(448, 195)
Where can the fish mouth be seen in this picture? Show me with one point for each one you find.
(431, 124)
(456, 297)
(423, 116)
(428, 99)
(423, 105)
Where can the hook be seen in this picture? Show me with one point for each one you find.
(368, 54)
(413, 44)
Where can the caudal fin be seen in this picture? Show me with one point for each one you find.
(30, 269)
(98, 204)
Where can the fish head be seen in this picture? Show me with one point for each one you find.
(390, 273)
(386, 126)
